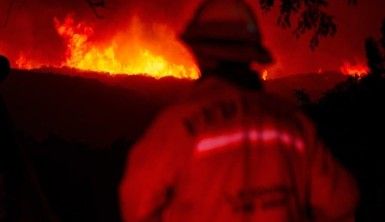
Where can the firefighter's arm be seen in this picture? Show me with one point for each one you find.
(150, 170)
(333, 191)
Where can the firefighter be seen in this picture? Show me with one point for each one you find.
(21, 197)
(231, 151)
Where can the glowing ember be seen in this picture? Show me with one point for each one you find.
(265, 74)
(359, 70)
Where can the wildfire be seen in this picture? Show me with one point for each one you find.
(359, 70)
(126, 52)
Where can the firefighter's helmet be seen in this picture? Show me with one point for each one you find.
(226, 30)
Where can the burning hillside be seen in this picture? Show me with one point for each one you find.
(128, 51)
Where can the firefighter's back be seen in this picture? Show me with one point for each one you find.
(247, 161)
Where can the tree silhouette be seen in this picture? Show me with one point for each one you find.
(374, 57)
(95, 5)
(312, 17)
(375, 54)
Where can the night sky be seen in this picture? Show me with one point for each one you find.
(29, 29)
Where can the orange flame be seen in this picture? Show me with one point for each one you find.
(359, 70)
(128, 52)
(265, 74)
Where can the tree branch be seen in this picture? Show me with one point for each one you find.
(312, 17)
(8, 13)
(95, 4)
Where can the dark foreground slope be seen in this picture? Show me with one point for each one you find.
(83, 109)
(97, 109)
(77, 130)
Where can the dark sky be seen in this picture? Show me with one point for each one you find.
(30, 29)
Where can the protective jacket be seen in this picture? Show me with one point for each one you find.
(231, 154)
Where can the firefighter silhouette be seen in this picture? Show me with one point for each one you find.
(21, 197)
(231, 151)
(5, 141)
(4, 68)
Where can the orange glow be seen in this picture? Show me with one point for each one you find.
(25, 62)
(359, 70)
(22, 62)
(127, 52)
(265, 74)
